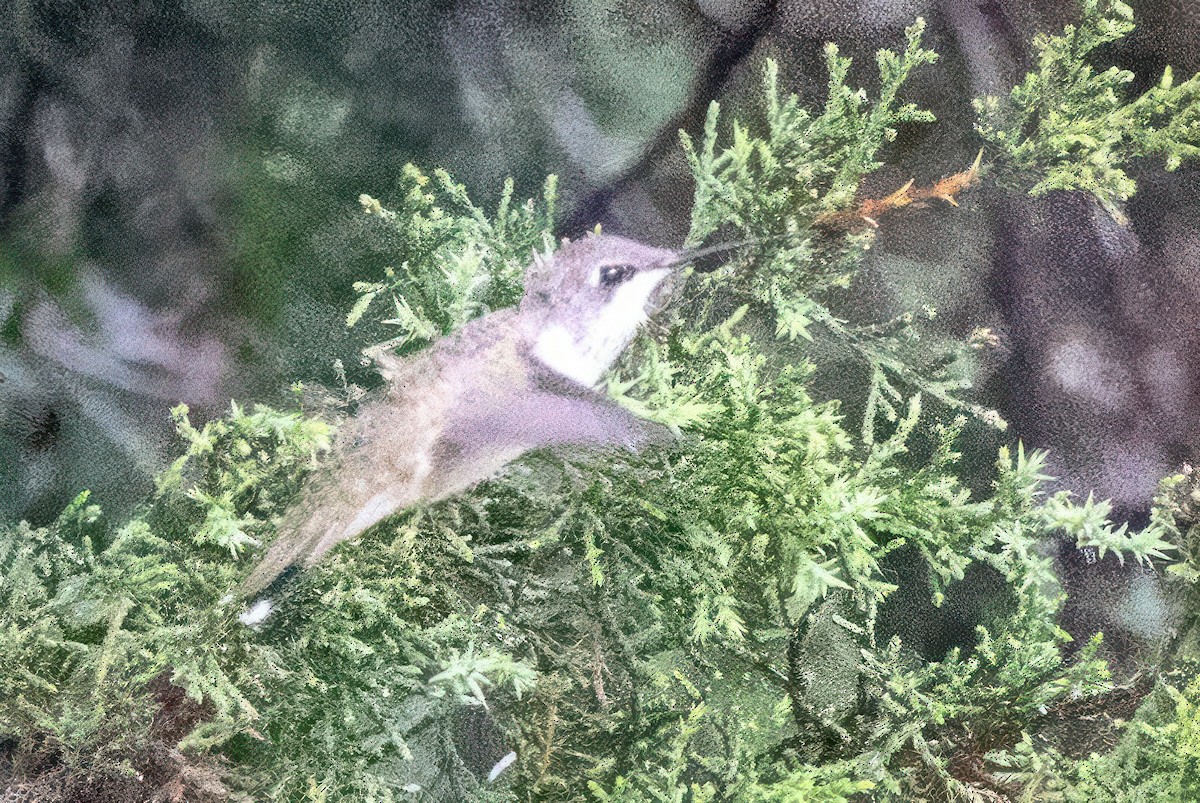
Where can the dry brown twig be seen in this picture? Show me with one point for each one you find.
(868, 212)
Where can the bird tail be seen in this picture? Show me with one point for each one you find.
(301, 530)
(327, 516)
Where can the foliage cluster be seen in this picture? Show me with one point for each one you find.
(1068, 126)
(703, 621)
(480, 259)
(771, 188)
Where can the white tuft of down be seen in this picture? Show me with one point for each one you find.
(257, 613)
(502, 765)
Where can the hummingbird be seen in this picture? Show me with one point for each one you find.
(454, 414)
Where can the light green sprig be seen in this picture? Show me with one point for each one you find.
(454, 260)
(1071, 126)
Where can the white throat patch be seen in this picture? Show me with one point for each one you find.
(586, 358)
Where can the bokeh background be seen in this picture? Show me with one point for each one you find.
(179, 217)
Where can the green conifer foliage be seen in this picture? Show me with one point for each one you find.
(1070, 126)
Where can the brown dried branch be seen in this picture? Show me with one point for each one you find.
(867, 213)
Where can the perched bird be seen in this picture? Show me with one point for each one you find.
(507, 383)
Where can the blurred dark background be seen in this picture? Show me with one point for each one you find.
(179, 223)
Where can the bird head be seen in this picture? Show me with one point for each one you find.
(584, 304)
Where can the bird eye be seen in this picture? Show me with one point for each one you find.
(612, 275)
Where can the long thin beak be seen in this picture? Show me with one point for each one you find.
(700, 253)
(666, 289)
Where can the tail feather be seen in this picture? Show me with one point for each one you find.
(299, 534)
(328, 516)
